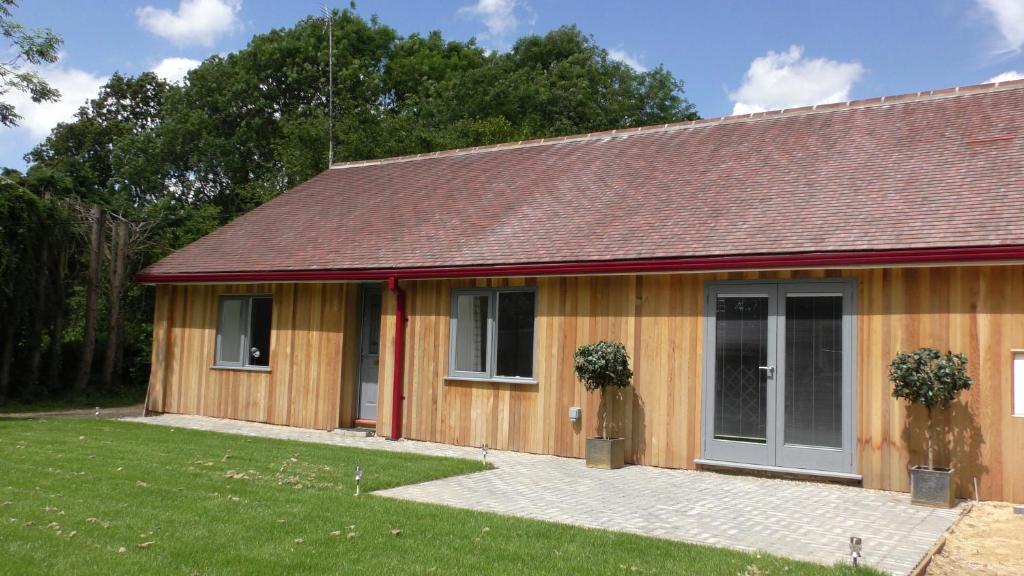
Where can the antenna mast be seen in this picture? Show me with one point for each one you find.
(329, 17)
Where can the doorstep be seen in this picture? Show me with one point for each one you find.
(780, 471)
(357, 432)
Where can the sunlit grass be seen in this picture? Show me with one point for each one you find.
(108, 497)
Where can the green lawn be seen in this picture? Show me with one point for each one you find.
(108, 497)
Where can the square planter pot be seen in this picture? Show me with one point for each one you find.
(932, 487)
(606, 453)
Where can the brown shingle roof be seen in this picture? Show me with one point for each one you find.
(932, 170)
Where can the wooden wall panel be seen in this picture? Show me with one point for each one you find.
(975, 309)
(978, 310)
(309, 385)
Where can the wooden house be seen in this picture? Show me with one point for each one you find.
(761, 270)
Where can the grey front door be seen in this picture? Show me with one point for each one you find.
(369, 353)
(779, 374)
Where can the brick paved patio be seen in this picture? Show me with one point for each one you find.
(803, 520)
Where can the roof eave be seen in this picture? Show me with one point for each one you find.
(846, 259)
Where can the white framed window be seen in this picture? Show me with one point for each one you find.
(1018, 383)
(492, 334)
(243, 332)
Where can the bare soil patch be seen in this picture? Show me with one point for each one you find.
(987, 541)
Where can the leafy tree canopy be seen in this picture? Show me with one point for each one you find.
(929, 377)
(31, 47)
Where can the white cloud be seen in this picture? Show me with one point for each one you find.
(499, 16)
(195, 22)
(1009, 19)
(174, 69)
(76, 87)
(627, 59)
(788, 80)
(1006, 77)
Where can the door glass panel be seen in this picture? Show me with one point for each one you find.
(471, 333)
(814, 370)
(741, 348)
(371, 323)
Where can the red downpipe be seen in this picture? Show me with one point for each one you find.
(398, 393)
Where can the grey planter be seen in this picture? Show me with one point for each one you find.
(606, 453)
(932, 487)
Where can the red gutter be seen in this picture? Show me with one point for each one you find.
(759, 262)
(398, 394)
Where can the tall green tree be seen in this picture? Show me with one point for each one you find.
(35, 235)
(29, 48)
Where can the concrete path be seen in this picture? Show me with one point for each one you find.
(802, 520)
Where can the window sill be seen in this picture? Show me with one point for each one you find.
(242, 368)
(526, 381)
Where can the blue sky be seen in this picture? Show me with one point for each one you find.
(735, 56)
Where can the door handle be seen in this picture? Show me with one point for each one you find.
(769, 369)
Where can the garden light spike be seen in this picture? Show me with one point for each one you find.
(855, 546)
(359, 477)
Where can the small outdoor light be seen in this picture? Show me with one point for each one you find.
(97, 411)
(575, 412)
(484, 449)
(855, 546)
(359, 477)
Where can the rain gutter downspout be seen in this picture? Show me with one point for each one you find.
(398, 393)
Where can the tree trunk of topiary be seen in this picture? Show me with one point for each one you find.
(604, 415)
(928, 437)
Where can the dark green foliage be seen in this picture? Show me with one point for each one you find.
(603, 365)
(931, 379)
(177, 161)
(29, 46)
(36, 234)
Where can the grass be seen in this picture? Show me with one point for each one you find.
(109, 497)
(127, 397)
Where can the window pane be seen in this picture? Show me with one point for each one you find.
(814, 370)
(259, 332)
(515, 334)
(471, 333)
(741, 387)
(1018, 384)
(229, 340)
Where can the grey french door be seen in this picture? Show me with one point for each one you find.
(369, 353)
(779, 363)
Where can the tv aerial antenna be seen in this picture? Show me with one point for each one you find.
(329, 25)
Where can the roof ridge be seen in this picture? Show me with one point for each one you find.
(908, 97)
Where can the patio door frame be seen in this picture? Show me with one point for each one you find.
(774, 453)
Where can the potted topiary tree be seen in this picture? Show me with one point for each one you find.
(600, 366)
(931, 379)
